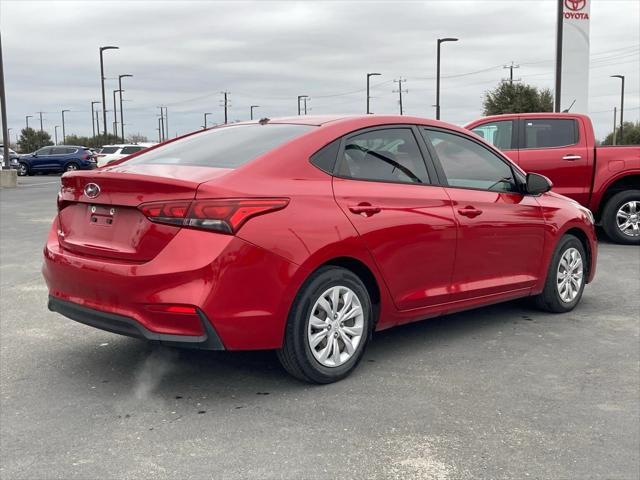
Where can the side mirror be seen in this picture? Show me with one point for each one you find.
(34, 154)
(537, 184)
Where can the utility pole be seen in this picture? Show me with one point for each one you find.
(440, 42)
(93, 119)
(251, 108)
(27, 117)
(3, 100)
(369, 75)
(225, 104)
(559, 26)
(41, 129)
(165, 122)
(160, 129)
(120, 77)
(64, 136)
(115, 113)
(102, 79)
(300, 97)
(615, 116)
(205, 120)
(161, 123)
(400, 81)
(55, 133)
(305, 104)
(621, 77)
(98, 122)
(511, 67)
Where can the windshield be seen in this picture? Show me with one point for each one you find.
(224, 147)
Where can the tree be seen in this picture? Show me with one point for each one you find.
(137, 138)
(517, 98)
(92, 142)
(31, 140)
(631, 135)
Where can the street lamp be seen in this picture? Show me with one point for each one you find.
(55, 133)
(115, 113)
(299, 98)
(205, 119)
(27, 117)
(369, 75)
(251, 108)
(104, 100)
(64, 136)
(120, 77)
(440, 41)
(93, 118)
(621, 77)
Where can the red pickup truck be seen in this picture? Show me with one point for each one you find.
(562, 147)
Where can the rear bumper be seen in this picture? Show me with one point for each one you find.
(128, 326)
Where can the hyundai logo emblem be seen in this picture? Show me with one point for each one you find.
(91, 190)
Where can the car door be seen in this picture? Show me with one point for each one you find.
(554, 148)
(40, 159)
(502, 134)
(383, 186)
(500, 230)
(58, 157)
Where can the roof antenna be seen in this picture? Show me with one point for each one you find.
(567, 110)
(264, 121)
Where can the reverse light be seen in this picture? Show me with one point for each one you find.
(225, 216)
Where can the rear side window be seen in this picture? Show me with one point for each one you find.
(547, 133)
(109, 150)
(385, 155)
(130, 150)
(325, 158)
(70, 150)
(59, 151)
(224, 147)
(499, 134)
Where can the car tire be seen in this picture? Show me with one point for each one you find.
(617, 212)
(565, 281)
(71, 167)
(312, 332)
(23, 169)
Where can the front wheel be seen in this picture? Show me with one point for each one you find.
(328, 327)
(566, 277)
(621, 217)
(23, 169)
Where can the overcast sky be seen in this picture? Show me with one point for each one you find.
(183, 54)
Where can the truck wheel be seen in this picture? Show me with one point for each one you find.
(621, 217)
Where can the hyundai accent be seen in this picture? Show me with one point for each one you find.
(305, 235)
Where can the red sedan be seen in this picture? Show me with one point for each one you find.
(307, 234)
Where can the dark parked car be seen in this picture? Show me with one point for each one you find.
(56, 159)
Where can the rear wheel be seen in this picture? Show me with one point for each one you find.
(328, 327)
(566, 277)
(621, 217)
(71, 167)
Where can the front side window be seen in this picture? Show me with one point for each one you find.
(223, 147)
(550, 132)
(44, 151)
(498, 134)
(130, 150)
(467, 164)
(386, 155)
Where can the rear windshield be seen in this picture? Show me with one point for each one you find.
(108, 150)
(224, 147)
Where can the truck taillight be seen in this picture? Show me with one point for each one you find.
(225, 216)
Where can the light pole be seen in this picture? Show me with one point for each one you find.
(93, 118)
(104, 100)
(369, 75)
(160, 129)
(27, 117)
(251, 108)
(621, 77)
(120, 77)
(440, 42)
(115, 113)
(64, 135)
(55, 133)
(205, 120)
(299, 98)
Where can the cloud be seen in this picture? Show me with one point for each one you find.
(182, 54)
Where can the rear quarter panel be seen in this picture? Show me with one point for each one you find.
(612, 164)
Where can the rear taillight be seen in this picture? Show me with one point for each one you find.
(226, 216)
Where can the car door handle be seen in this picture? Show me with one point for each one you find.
(365, 209)
(469, 211)
(571, 157)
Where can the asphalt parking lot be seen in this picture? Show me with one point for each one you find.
(501, 392)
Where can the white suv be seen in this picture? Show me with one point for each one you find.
(111, 153)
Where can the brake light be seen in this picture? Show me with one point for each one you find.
(225, 216)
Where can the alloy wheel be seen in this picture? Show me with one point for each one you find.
(570, 275)
(628, 218)
(336, 326)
